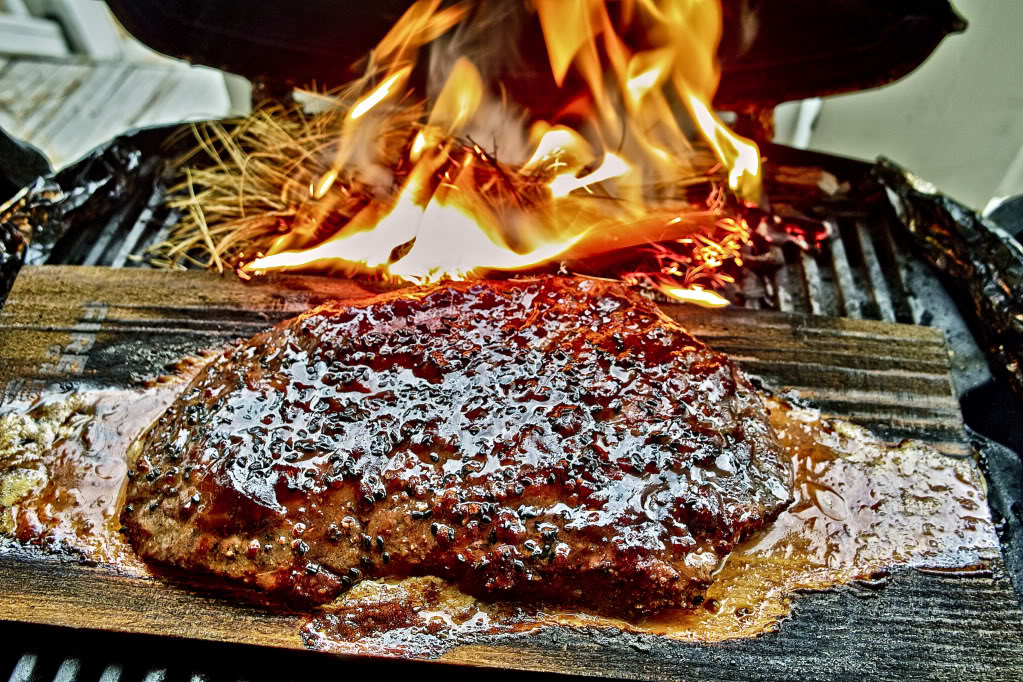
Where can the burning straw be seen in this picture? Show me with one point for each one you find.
(366, 182)
(246, 182)
(252, 183)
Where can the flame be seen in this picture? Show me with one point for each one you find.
(448, 223)
(700, 297)
(611, 167)
(459, 99)
(418, 145)
(449, 209)
(377, 96)
(449, 236)
(558, 147)
(740, 156)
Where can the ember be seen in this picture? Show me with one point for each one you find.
(378, 185)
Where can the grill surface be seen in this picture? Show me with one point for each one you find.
(40, 654)
(864, 272)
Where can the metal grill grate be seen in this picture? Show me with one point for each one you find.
(33, 667)
(865, 271)
(32, 653)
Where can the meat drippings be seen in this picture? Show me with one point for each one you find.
(63, 466)
(863, 510)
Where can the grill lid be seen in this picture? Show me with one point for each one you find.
(770, 51)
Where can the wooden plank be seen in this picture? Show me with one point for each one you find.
(920, 626)
(115, 326)
(893, 378)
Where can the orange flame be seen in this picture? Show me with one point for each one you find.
(442, 223)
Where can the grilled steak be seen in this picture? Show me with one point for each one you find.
(553, 439)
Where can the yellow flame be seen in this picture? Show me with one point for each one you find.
(452, 238)
(418, 145)
(451, 242)
(422, 22)
(441, 224)
(740, 156)
(645, 72)
(568, 29)
(700, 297)
(560, 145)
(320, 189)
(368, 240)
(379, 94)
(685, 34)
(459, 99)
(611, 167)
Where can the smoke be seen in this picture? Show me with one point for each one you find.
(489, 37)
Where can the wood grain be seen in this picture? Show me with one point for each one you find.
(115, 327)
(891, 377)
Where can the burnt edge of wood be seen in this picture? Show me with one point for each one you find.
(111, 327)
(920, 624)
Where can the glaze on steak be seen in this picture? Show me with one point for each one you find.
(554, 439)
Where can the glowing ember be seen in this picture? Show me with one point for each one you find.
(448, 209)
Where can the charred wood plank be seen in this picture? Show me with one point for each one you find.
(113, 327)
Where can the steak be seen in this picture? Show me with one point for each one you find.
(557, 440)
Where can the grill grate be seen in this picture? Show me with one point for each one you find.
(33, 667)
(33, 653)
(865, 271)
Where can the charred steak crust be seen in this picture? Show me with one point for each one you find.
(553, 439)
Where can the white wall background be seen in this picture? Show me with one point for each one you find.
(956, 121)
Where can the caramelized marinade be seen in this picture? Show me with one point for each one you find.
(863, 509)
(555, 440)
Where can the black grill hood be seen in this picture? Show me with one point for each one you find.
(771, 51)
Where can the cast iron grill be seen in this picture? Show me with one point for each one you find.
(865, 271)
(45, 654)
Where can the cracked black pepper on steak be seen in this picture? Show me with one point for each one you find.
(556, 440)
